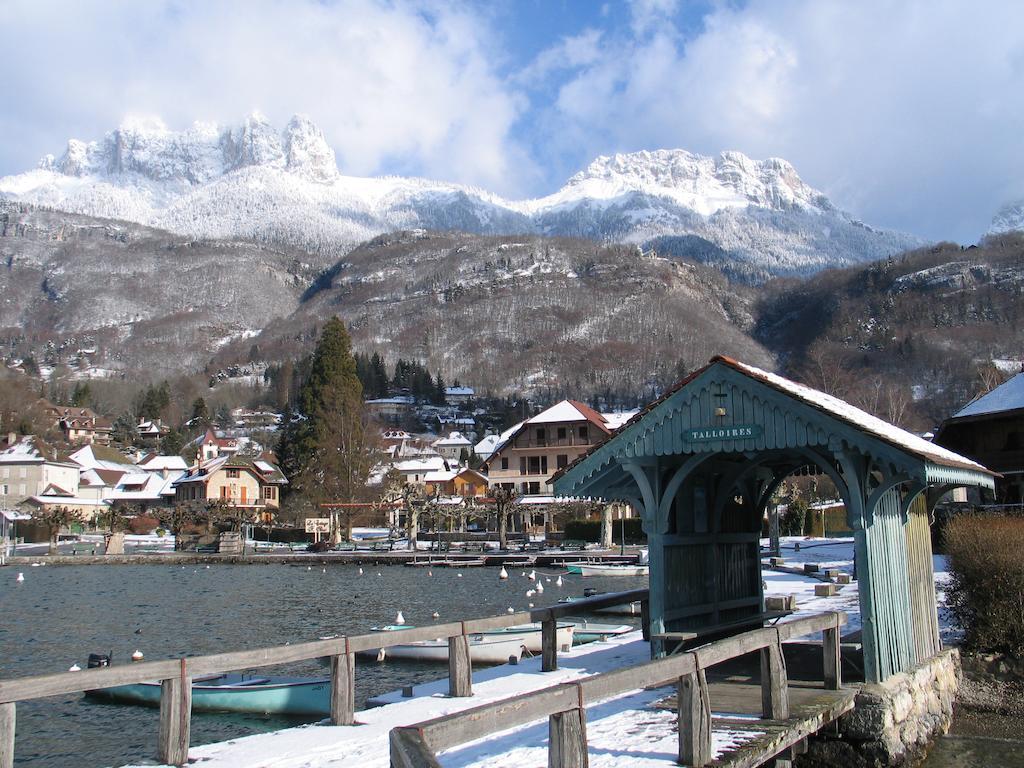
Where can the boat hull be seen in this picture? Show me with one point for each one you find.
(600, 569)
(483, 649)
(279, 696)
(532, 635)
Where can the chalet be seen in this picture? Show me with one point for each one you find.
(540, 446)
(465, 482)
(415, 471)
(151, 429)
(391, 409)
(458, 395)
(249, 484)
(83, 425)
(990, 430)
(211, 446)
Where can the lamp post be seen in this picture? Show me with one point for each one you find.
(622, 539)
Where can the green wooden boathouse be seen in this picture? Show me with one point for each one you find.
(701, 463)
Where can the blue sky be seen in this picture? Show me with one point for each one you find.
(907, 113)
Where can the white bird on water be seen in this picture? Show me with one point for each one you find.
(503, 574)
(435, 615)
(540, 588)
(74, 668)
(460, 575)
(510, 610)
(21, 577)
(309, 567)
(360, 571)
(532, 576)
(137, 656)
(558, 581)
(399, 619)
(530, 593)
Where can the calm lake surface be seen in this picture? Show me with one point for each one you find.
(60, 614)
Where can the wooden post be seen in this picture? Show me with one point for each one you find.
(409, 749)
(694, 720)
(7, 721)
(774, 684)
(343, 688)
(175, 718)
(833, 660)
(460, 667)
(645, 619)
(549, 645)
(567, 739)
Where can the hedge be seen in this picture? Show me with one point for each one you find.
(590, 530)
(985, 593)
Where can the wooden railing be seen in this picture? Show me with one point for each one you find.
(417, 746)
(176, 675)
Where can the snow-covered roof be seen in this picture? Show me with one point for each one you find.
(459, 391)
(71, 501)
(157, 463)
(568, 410)
(861, 419)
(22, 451)
(488, 445)
(454, 440)
(92, 457)
(399, 400)
(428, 464)
(1008, 396)
(546, 500)
(13, 515)
(439, 476)
(615, 420)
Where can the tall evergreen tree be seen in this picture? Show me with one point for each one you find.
(332, 456)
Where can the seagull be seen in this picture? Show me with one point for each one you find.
(558, 581)
(21, 577)
(530, 593)
(360, 571)
(510, 610)
(460, 575)
(503, 574)
(137, 656)
(435, 615)
(540, 588)
(74, 668)
(399, 619)
(532, 576)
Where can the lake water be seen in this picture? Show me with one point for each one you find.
(60, 614)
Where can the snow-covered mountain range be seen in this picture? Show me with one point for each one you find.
(1009, 218)
(255, 181)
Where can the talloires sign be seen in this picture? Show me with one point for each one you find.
(318, 525)
(734, 432)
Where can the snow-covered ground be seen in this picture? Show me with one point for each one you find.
(625, 730)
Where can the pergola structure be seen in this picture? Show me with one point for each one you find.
(701, 464)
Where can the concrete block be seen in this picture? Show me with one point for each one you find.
(825, 590)
(832, 573)
(780, 603)
(810, 567)
(775, 562)
(843, 578)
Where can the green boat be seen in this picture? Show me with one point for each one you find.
(236, 693)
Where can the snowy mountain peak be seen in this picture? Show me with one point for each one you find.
(307, 151)
(1009, 218)
(705, 184)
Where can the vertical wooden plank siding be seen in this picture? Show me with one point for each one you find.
(922, 581)
(8, 719)
(884, 578)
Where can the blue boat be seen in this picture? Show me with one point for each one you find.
(236, 693)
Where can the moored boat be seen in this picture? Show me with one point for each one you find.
(236, 693)
(608, 569)
(585, 631)
(623, 609)
(532, 634)
(483, 649)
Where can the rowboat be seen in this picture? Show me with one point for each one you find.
(532, 633)
(236, 693)
(606, 569)
(592, 631)
(483, 648)
(623, 609)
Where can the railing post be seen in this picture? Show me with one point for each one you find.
(833, 661)
(567, 737)
(343, 688)
(408, 749)
(694, 704)
(645, 619)
(7, 721)
(549, 644)
(774, 683)
(175, 718)
(460, 667)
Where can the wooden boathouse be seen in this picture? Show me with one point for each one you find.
(701, 463)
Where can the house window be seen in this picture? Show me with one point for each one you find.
(225, 493)
(561, 433)
(232, 472)
(534, 488)
(23, 473)
(269, 492)
(561, 460)
(534, 465)
(584, 433)
(522, 465)
(541, 436)
(504, 462)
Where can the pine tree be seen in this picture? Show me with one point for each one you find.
(332, 456)
(200, 412)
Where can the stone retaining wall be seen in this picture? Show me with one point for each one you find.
(895, 721)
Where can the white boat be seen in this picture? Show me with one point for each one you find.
(532, 635)
(607, 569)
(483, 649)
(585, 631)
(623, 609)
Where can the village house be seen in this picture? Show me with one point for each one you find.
(415, 471)
(28, 467)
(467, 483)
(525, 461)
(210, 446)
(391, 409)
(249, 484)
(83, 425)
(453, 446)
(151, 429)
(990, 430)
(458, 395)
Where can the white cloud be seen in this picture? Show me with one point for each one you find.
(908, 113)
(407, 86)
